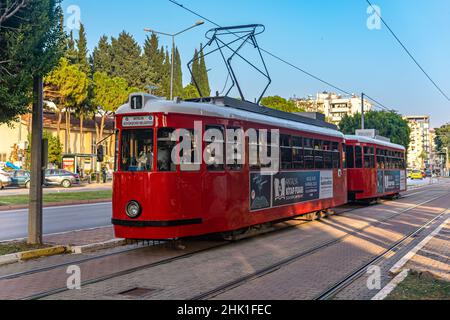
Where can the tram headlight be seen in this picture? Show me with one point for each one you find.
(133, 209)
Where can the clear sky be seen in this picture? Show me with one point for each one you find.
(328, 38)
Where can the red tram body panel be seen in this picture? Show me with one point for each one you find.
(175, 201)
(375, 168)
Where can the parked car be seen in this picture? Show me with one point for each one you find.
(5, 179)
(416, 174)
(64, 178)
(21, 179)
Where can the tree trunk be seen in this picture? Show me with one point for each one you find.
(68, 148)
(81, 134)
(102, 128)
(58, 124)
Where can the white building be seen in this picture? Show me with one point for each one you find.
(334, 106)
(420, 147)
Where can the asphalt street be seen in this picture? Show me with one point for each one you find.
(14, 224)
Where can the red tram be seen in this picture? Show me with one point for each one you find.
(375, 168)
(155, 198)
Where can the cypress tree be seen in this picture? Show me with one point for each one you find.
(196, 78)
(71, 52)
(82, 52)
(206, 90)
(165, 85)
(178, 75)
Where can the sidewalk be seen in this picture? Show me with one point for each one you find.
(434, 257)
(81, 237)
(81, 188)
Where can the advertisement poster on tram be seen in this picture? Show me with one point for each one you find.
(260, 190)
(390, 181)
(287, 188)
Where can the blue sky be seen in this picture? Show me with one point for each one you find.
(327, 38)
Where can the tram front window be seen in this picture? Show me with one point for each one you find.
(137, 150)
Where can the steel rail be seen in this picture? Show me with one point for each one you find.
(276, 266)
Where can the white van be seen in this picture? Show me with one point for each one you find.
(5, 179)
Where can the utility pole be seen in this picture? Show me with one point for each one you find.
(35, 205)
(362, 112)
(198, 23)
(172, 70)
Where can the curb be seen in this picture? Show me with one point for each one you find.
(56, 250)
(9, 258)
(56, 204)
(33, 254)
(97, 246)
(46, 252)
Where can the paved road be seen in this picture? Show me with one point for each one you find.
(14, 224)
(82, 188)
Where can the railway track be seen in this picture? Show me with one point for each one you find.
(337, 286)
(183, 256)
(355, 274)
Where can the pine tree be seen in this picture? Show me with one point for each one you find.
(154, 61)
(82, 52)
(127, 61)
(101, 59)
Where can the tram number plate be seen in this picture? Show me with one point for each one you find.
(137, 121)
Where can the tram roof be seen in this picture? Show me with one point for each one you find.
(375, 141)
(154, 104)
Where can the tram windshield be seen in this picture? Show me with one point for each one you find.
(137, 150)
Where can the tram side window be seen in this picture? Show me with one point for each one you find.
(358, 157)
(327, 155)
(350, 156)
(166, 143)
(308, 153)
(187, 157)
(137, 150)
(318, 154)
(215, 160)
(235, 145)
(380, 159)
(336, 155)
(286, 151)
(297, 153)
(369, 158)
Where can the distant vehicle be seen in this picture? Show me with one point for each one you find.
(64, 178)
(416, 175)
(428, 174)
(5, 179)
(21, 179)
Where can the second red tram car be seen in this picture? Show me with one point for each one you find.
(375, 168)
(155, 198)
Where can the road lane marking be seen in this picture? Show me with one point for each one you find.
(61, 207)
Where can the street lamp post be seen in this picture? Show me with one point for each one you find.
(198, 23)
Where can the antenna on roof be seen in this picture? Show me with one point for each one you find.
(245, 34)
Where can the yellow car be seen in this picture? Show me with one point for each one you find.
(416, 174)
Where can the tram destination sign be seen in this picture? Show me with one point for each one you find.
(287, 188)
(137, 121)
